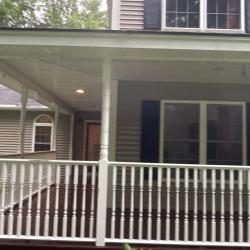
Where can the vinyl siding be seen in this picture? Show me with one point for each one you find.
(128, 143)
(63, 137)
(9, 132)
(132, 15)
(131, 95)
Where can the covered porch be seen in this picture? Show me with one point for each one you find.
(144, 188)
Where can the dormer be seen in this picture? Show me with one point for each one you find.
(213, 16)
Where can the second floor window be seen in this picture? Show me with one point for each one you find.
(223, 14)
(43, 130)
(183, 13)
(203, 14)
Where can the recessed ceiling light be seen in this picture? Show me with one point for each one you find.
(80, 91)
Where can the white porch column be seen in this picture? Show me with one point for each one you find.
(72, 120)
(55, 128)
(104, 155)
(24, 100)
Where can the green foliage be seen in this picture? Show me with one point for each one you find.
(18, 13)
(53, 14)
(127, 247)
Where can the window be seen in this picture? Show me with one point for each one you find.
(203, 14)
(181, 133)
(43, 130)
(203, 133)
(183, 13)
(223, 14)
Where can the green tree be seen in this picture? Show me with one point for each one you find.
(92, 16)
(18, 13)
(53, 14)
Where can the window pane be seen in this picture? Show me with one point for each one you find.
(222, 21)
(224, 134)
(43, 130)
(182, 13)
(194, 6)
(222, 6)
(233, 21)
(211, 6)
(170, 5)
(193, 20)
(182, 5)
(224, 153)
(171, 20)
(42, 147)
(223, 14)
(182, 20)
(212, 21)
(44, 119)
(181, 152)
(181, 133)
(234, 6)
(42, 138)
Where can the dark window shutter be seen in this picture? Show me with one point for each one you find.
(150, 127)
(152, 14)
(247, 8)
(248, 134)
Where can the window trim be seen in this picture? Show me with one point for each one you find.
(36, 124)
(203, 129)
(203, 20)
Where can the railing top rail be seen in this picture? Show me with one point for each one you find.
(54, 162)
(173, 165)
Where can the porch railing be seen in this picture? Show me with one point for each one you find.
(51, 200)
(179, 204)
(147, 203)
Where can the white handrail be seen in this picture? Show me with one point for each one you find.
(174, 165)
(63, 162)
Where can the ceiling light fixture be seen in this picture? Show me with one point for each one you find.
(80, 91)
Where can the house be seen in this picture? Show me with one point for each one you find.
(60, 129)
(10, 107)
(166, 92)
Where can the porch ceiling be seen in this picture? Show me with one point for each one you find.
(63, 68)
(62, 77)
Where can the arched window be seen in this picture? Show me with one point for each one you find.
(43, 133)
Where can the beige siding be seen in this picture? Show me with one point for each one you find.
(131, 95)
(63, 137)
(132, 15)
(9, 125)
(9, 132)
(128, 143)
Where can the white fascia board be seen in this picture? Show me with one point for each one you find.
(125, 40)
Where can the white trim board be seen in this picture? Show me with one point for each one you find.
(115, 12)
